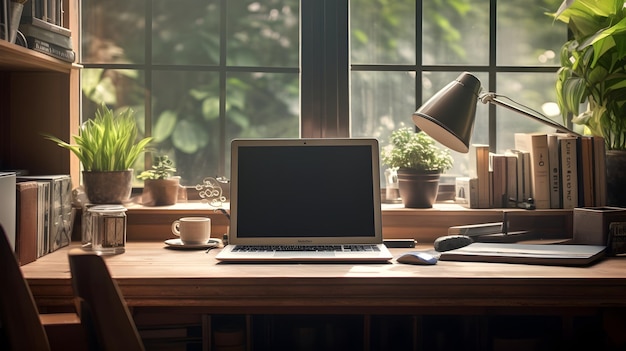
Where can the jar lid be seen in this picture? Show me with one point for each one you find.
(107, 208)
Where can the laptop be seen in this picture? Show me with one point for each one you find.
(308, 200)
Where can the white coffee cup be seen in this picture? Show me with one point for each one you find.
(192, 230)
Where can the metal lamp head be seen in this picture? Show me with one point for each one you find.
(448, 116)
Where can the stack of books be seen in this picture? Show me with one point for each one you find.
(554, 170)
(42, 27)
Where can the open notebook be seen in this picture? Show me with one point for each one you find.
(305, 200)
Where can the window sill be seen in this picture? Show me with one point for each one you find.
(424, 225)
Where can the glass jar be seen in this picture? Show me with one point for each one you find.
(104, 229)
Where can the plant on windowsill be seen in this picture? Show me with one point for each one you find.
(107, 147)
(594, 71)
(160, 184)
(419, 163)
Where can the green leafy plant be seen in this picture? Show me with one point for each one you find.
(408, 149)
(594, 67)
(108, 142)
(162, 168)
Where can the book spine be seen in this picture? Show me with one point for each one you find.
(511, 181)
(569, 171)
(499, 188)
(585, 172)
(26, 233)
(481, 153)
(599, 176)
(555, 172)
(51, 49)
(537, 146)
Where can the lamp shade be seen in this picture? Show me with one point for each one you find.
(448, 116)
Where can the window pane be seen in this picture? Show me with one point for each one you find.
(185, 32)
(263, 33)
(382, 32)
(185, 121)
(456, 32)
(381, 101)
(113, 31)
(534, 90)
(526, 36)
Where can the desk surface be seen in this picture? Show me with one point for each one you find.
(151, 275)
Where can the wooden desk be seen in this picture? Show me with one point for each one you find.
(161, 283)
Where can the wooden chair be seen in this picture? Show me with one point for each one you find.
(19, 314)
(102, 309)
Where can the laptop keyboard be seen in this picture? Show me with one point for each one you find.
(306, 248)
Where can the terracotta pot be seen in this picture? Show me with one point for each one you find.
(418, 189)
(160, 192)
(109, 187)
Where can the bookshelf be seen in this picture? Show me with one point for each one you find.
(40, 94)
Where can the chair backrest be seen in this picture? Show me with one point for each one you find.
(102, 308)
(18, 312)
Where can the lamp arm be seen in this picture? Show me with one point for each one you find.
(492, 98)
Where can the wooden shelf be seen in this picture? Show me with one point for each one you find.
(16, 58)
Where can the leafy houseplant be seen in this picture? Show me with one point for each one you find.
(160, 186)
(107, 148)
(594, 67)
(594, 71)
(419, 162)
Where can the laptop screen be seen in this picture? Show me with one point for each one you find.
(305, 191)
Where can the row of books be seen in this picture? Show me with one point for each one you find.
(41, 25)
(44, 214)
(545, 170)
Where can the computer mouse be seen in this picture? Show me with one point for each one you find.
(418, 257)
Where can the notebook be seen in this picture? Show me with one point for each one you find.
(543, 254)
(305, 200)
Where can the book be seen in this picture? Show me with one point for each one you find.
(553, 254)
(511, 180)
(60, 210)
(37, 22)
(585, 171)
(523, 175)
(43, 197)
(569, 170)
(26, 223)
(4, 20)
(466, 190)
(51, 49)
(51, 37)
(480, 171)
(537, 145)
(555, 171)
(498, 174)
(599, 167)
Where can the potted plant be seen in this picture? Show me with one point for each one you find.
(160, 184)
(593, 70)
(419, 163)
(107, 148)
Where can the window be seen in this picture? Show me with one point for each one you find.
(202, 72)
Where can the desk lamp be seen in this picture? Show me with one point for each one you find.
(449, 115)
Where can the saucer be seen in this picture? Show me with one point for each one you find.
(177, 244)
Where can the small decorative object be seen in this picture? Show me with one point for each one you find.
(15, 11)
(107, 148)
(419, 163)
(210, 191)
(160, 186)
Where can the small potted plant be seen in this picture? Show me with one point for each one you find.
(107, 147)
(160, 184)
(419, 163)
